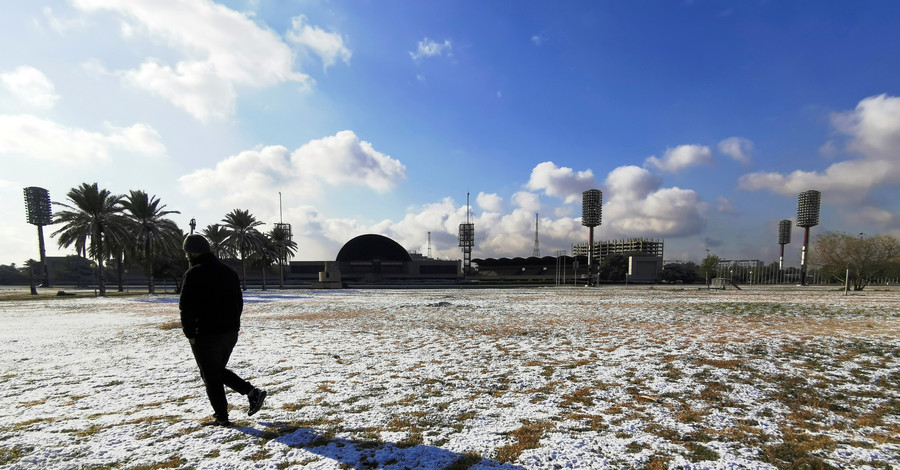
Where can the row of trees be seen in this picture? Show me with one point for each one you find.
(135, 229)
(856, 260)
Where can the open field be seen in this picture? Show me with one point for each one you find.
(616, 377)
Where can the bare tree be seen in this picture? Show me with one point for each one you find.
(861, 257)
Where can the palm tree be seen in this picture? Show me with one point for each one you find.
(150, 229)
(94, 214)
(281, 238)
(243, 236)
(218, 237)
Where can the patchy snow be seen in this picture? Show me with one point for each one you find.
(473, 378)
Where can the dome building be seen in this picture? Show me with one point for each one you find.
(374, 259)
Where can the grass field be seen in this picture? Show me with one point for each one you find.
(618, 377)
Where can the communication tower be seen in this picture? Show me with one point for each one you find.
(808, 204)
(37, 206)
(537, 245)
(591, 215)
(784, 237)
(467, 240)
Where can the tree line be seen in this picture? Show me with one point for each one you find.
(134, 230)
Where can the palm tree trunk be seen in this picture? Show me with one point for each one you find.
(264, 278)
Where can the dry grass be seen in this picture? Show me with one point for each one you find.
(526, 437)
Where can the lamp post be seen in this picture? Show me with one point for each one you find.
(193, 224)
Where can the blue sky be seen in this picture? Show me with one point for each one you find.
(700, 121)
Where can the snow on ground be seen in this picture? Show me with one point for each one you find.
(470, 378)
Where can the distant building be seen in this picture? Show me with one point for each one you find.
(603, 249)
(645, 255)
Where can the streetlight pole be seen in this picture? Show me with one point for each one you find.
(707, 269)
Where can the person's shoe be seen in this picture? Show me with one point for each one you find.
(256, 398)
(217, 421)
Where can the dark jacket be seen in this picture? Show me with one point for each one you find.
(211, 300)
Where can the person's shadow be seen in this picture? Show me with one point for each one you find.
(363, 454)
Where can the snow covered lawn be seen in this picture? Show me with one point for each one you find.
(471, 378)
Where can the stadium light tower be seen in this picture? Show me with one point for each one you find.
(591, 215)
(808, 204)
(467, 240)
(784, 237)
(37, 205)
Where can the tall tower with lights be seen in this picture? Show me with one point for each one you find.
(784, 237)
(37, 206)
(467, 240)
(808, 204)
(591, 215)
(537, 244)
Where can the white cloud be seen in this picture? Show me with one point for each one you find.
(538, 39)
(328, 46)
(529, 202)
(631, 183)
(561, 182)
(428, 48)
(62, 25)
(31, 86)
(490, 202)
(739, 149)
(223, 49)
(681, 157)
(193, 86)
(873, 129)
(636, 206)
(41, 139)
(341, 159)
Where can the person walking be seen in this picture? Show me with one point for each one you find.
(211, 303)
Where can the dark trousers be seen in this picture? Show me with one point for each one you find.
(212, 352)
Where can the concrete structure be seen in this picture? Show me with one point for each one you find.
(644, 269)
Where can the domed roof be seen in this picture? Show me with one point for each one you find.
(372, 247)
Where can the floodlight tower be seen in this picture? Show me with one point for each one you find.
(467, 240)
(784, 237)
(37, 206)
(537, 245)
(807, 216)
(591, 214)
